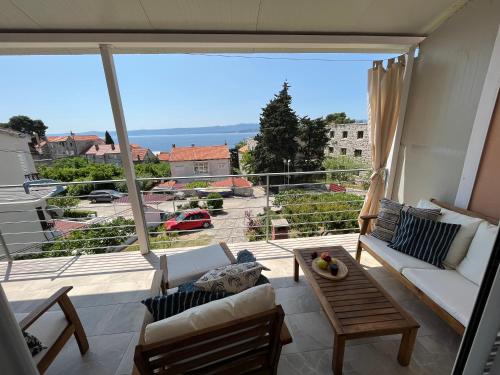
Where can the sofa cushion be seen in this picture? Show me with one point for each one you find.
(474, 264)
(47, 329)
(192, 264)
(251, 301)
(387, 220)
(450, 290)
(426, 240)
(394, 258)
(461, 243)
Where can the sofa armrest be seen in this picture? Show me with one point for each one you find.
(57, 297)
(365, 221)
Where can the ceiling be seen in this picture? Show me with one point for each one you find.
(366, 17)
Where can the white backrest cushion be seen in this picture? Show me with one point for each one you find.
(251, 301)
(462, 241)
(474, 264)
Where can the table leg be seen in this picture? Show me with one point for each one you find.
(338, 354)
(406, 346)
(295, 269)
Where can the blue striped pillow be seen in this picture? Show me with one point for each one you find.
(162, 307)
(424, 239)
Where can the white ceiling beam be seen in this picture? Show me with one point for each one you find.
(84, 43)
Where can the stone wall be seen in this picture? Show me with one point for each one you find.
(349, 139)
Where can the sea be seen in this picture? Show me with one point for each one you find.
(163, 139)
(164, 142)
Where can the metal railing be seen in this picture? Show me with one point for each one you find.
(37, 222)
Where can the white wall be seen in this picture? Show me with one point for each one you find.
(446, 84)
(186, 168)
(15, 159)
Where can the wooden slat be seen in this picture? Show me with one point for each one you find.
(336, 303)
(350, 292)
(371, 319)
(368, 306)
(342, 297)
(367, 312)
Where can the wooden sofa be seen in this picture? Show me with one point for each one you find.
(456, 324)
(253, 342)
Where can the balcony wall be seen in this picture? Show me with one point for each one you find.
(446, 84)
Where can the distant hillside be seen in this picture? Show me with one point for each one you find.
(237, 128)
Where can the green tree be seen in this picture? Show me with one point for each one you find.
(312, 140)
(24, 124)
(107, 139)
(276, 140)
(215, 202)
(343, 162)
(339, 118)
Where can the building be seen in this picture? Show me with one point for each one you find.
(249, 146)
(110, 154)
(17, 164)
(349, 139)
(69, 145)
(200, 161)
(163, 156)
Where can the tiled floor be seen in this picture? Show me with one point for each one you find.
(108, 288)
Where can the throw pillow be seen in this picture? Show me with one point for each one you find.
(35, 346)
(424, 239)
(245, 256)
(461, 243)
(474, 264)
(162, 307)
(233, 278)
(387, 220)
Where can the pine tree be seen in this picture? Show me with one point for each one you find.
(277, 139)
(107, 139)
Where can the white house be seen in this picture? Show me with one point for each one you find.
(110, 154)
(200, 161)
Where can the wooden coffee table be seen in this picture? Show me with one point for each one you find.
(356, 306)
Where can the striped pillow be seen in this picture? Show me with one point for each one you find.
(387, 220)
(424, 239)
(162, 307)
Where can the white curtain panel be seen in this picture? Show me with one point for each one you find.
(384, 98)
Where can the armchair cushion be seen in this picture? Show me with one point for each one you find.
(47, 329)
(241, 305)
(188, 266)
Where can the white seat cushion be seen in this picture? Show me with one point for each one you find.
(450, 290)
(462, 241)
(251, 301)
(474, 264)
(191, 265)
(396, 259)
(47, 329)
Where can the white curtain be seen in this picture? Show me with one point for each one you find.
(384, 97)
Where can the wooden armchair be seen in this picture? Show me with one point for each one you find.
(54, 328)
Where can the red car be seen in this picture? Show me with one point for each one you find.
(189, 220)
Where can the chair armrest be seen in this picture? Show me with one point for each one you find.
(365, 221)
(57, 297)
(228, 252)
(285, 336)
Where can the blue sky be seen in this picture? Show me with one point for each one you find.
(167, 91)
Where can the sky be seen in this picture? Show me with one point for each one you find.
(180, 90)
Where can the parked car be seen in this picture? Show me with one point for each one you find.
(104, 196)
(193, 219)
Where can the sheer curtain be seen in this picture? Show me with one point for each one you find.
(384, 94)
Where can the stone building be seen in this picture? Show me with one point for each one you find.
(349, 139)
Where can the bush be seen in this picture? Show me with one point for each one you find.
(215, 202)
(63, 201)
(343, 162)
(77, 214)
(197, 185)
(193, 203)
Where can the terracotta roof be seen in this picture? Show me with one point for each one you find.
(164, 156)
(62, 138)
(243, 149)
(137, 153)
(232, 182)
(66, 226)
(199, 153)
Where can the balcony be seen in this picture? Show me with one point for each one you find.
(109, 284)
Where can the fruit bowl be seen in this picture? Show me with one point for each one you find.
(326, 272)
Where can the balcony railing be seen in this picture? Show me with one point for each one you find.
(66, 218)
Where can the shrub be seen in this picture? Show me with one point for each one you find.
(197, 184)
(193, 203)
(215, 202)
(63, 201)
(76, 214)
(343, 162)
